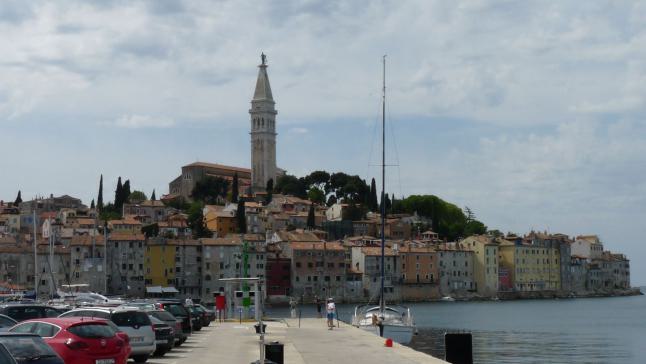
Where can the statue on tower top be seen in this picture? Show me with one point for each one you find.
(263, 57)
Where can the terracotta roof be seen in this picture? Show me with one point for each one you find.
(86, 240)
(373, 251)
(126, 237)
(220, 166)
(301, 245)
(228, 241)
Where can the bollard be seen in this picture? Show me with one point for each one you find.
(299, 317)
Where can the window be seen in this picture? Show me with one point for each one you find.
(298, 264)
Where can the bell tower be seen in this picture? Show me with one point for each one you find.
(263, 131)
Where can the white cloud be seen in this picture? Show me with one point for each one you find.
(143, 121)
(297, 130)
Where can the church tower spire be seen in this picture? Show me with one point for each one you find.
(263, 131)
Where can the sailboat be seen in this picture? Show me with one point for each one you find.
(390, 321)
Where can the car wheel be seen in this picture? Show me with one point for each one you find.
(140, 358)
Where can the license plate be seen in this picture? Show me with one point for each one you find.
(104, 361)
(136, 339)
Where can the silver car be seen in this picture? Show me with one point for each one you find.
(133, 322)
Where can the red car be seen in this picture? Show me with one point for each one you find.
(80, 340)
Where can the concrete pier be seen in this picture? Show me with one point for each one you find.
(312, 343)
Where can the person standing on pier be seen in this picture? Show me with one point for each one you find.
(318, 306)
(331, 311)
(292, 307)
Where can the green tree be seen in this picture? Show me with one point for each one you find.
(137, 197)
(178, 203)
(92, 205)
(354, 212)
(270, 191)
(126, 191)
(374, 201)
(291, 185)
(109, 212)
(151, 230)
(99, 200)
(153, 197)
(118, 195)
(311, 219)
(196, 221)
(208, 190)
(318, 179)
(235, 188)
(241, 219)
(316, 195)
(18, 200)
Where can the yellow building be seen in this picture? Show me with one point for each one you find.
(159, 259)
(220, 220)
(485, 263)
(531, 267)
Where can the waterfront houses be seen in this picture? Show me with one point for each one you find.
(485, 263)
(318, 268)
(456, 269)
(367, 260)
(420, 272)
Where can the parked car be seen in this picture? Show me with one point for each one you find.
(22, 311)
(133, 322)
(164, 336)
(179, 310)
(5, 356)
(205, 320)
(210, 313)
(80, 340)
(196, 318)
(29, 349)
(6, 323)
(168, 318)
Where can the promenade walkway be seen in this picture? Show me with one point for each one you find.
(312, 343)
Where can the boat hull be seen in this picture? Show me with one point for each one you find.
(398, 333)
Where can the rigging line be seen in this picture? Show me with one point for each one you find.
(392, 133)
(372, 143)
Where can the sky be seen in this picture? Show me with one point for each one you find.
(530, 113)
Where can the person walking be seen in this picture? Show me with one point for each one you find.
(292, 307)
(331, 312)
(318, 306)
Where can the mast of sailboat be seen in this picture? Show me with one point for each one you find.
(35, 253)
(382, 300)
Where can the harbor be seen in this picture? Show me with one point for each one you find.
(311, 343)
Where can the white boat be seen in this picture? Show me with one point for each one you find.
(77, 294)
(390, 321)
(448, 299)
(394, 322)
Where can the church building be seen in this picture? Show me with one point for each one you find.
(263, 148)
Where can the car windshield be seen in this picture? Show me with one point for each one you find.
(92, 330)
(163, 315)
(130, 318)
(176, 310)
(25, 347)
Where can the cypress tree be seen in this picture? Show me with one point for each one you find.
(234, 188)
(18, 199)
(92, 204)
(118, 195)
(241, 218)
(153, 197)
(126, 191)
(374, 202)
(99, 200)
(311, 220)
(270, 190)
